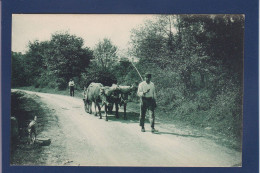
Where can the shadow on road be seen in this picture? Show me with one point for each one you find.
(177, 134)
(132, 117)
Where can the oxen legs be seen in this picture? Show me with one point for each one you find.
(95, 105)
(125, 118)
(117, 108)
(85, 105)
(106, 110)
(99, 110)
(88, 109)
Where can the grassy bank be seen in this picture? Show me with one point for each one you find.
(77, 93)
(24, 107)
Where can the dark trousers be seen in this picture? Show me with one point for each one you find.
(72, 91)
(147, 104)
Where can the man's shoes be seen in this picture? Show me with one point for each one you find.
(154, 130)
(142, 130)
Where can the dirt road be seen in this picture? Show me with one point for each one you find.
(81, 139)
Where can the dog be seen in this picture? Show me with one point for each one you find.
(32, 131)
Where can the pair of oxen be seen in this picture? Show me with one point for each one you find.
(108, 97)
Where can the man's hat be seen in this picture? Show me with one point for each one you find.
(148, 75)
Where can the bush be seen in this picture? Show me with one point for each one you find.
(61, 84)
(99, 76)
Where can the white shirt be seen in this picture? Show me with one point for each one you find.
(71, 83)
(143, 87)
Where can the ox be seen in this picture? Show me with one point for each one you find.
(117, 95)
(92, 94)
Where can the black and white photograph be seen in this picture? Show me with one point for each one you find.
(127, 90)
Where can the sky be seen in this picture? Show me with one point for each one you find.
(91, 27)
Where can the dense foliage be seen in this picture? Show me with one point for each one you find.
(19, 75)
(196, 62)
(105, 54)
(52, 63)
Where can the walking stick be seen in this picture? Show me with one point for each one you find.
(137, 70)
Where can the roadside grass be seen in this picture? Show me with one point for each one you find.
(77, 93)
(24, 107)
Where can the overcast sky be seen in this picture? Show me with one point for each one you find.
(92, 28)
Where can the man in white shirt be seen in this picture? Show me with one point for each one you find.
(146, 92)
(71, 86)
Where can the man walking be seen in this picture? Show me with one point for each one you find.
(71, 86)
(146, 92)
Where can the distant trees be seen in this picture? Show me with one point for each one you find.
(101, 69)
(105, 54)
(52, 63)
(35, 63)
(67, 58)
(19, 75)
(121, 70)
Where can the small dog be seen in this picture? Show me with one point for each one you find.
(32, 131)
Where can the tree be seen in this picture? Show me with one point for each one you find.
(221, 38)
(148, 43)
(67, 58)
(52, 63)
(19, 76)
(35, 62)
(105, 54)
(121, 69)
(193, 44)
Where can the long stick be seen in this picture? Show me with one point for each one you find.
(137, 71)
